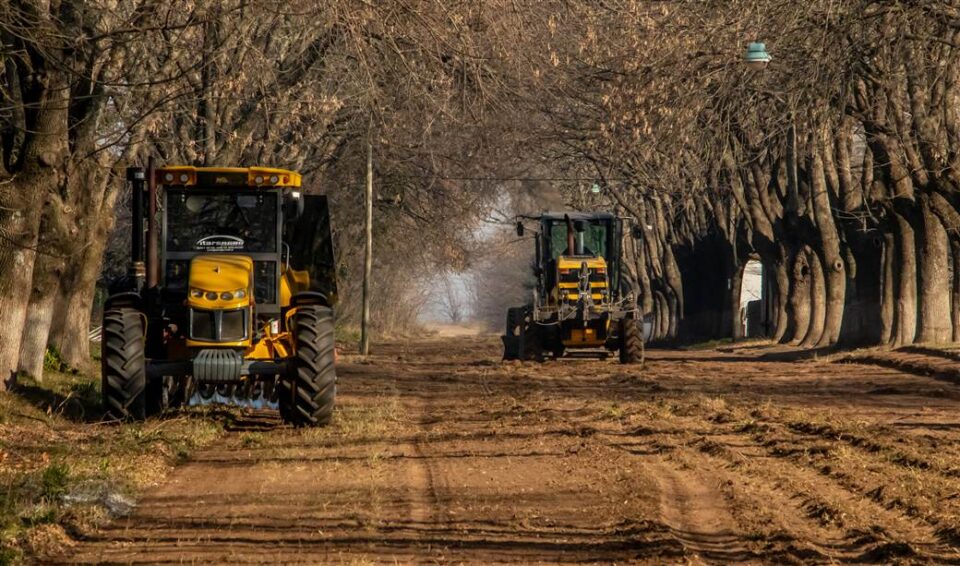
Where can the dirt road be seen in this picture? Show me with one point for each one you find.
(441, 453)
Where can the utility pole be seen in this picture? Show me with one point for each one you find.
(368, 254)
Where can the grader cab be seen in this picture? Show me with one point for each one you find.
(577, 303)
(230, 297)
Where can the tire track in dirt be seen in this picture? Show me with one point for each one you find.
(423, 503)
(852, 524)
(695, 513)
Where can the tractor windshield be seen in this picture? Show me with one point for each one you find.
(594, 238)
(221, 221)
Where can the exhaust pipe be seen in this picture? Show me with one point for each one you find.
(137, 270)
(571, 235)
(153, 271)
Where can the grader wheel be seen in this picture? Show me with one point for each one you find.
(308, 394)
(631, 342)
(531, 341)
(511, 337)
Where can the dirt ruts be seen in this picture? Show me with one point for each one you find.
(442, 453)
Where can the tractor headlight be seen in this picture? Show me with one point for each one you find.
(274, 180)
(258, 179)
(240, 294)
(168, 177)
(226, 296)
(211, 296)
(196, 293)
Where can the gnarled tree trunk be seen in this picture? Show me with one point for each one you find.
(935, 284)
(906, 278)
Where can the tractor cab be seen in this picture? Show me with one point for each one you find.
(573, 246)
(236, 245)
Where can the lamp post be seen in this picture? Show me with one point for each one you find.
(756, 58)
(367, 254)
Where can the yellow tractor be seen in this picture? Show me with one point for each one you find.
(577, 305)
(230, 297)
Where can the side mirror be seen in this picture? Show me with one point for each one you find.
(520, 229)
(636, 231)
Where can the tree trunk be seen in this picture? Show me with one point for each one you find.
(673, 315)
(16, 264)
(906, 261)
(72, 322)
(818, 301)
(662, 316)
(831, 260)
(955, 295)
(781, 283)
(36, 329)
(44, 152)
(799, 307)
(934, 293)
(736, 285)
(73, 318)
(888, 293)
(47, 273)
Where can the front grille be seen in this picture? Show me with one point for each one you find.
(573, 276)
(203, 325)
(232, 327)
(218, 326)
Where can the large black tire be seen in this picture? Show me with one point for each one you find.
(531, 341)
(123, 365)
(511, 337)
(308, 394)
(631, 342)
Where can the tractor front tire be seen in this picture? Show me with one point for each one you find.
(631, 342)
(308, 394)
(123, 365)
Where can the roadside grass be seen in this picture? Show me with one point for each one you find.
(63, 470)
(351, 423)
(347, 337)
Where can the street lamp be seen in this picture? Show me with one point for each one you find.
(756, 56)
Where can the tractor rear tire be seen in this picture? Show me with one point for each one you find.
(631, 342)
(123, 365)
(511, 337)
(308, 394)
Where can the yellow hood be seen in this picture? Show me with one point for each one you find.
(221, 272)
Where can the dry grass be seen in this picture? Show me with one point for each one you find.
(63, 469)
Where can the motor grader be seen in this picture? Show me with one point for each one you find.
(577, 304)
(230, 297)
